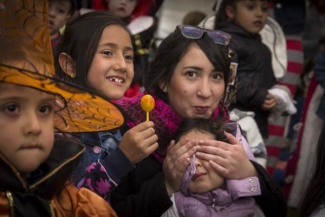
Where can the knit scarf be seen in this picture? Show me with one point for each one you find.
(165, 119)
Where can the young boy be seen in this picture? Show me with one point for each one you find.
(60, 12)
(35, 167)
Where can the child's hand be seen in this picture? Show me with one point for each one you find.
(176, 162)
(269, 102)
(140, 141)
(229, 160)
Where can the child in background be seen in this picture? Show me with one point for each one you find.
(60, 12)
(139, 15)
(193, 18)
(203, 191)
(36, 168)
(243, 20)
(96, 52)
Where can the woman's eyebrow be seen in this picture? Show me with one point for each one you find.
(194, 67)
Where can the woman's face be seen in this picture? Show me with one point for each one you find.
(196, 87)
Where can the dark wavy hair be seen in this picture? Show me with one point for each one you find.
(221, 15)
(315, 191)
(80, 41)
(171, 51)
(214, 126)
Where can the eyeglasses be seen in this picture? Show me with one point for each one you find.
(193, 32)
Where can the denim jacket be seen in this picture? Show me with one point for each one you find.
(103, 163)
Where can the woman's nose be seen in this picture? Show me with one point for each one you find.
(204, 90)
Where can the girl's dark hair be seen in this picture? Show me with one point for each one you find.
(80, 41)
(315, 191)
(215, 127)
(73, 7)
(170, 52)
(221, 15)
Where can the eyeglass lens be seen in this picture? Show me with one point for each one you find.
(218, 37)
(191, 32)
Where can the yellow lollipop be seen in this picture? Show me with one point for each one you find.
(147, 104)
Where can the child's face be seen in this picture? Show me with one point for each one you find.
(58, 15)
(111, 71)
(251, 15)
(26, 126)
(206, 178)
(121, 8)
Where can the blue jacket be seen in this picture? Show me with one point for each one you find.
(103, 163)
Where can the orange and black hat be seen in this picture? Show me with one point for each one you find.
(26, 59)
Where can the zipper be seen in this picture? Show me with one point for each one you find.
(11, 203)
(213, 196)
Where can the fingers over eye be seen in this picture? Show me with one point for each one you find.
(220, 169)
(232, 139)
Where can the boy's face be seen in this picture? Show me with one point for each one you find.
(26, 126)
(205, 178)
(58, 15)
(251, 15)
(121, 8)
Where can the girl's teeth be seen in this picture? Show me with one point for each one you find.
(117, 80)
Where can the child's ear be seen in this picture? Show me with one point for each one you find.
(163, 86)
(230, 12)
(67, 64)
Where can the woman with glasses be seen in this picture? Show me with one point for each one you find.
(187, 78)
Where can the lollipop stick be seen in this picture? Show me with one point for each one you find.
(147, 116)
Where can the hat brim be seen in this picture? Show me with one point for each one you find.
(78, 109)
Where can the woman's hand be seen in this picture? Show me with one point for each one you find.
(229, 160)
(176, 162)
(140, 141)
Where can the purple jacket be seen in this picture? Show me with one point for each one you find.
(235, 201)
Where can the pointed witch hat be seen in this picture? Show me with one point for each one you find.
(26, 59)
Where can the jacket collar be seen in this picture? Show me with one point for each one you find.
(218, 197)
(63, 159)
(232, 28)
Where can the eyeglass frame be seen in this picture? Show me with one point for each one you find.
(179, 27)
